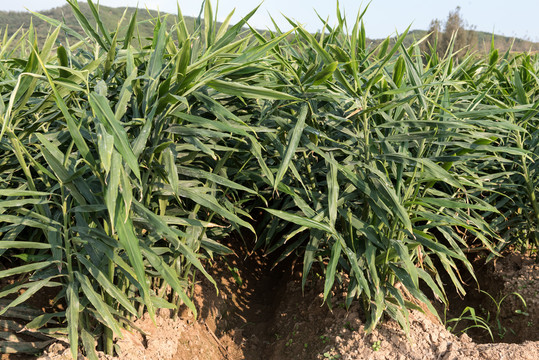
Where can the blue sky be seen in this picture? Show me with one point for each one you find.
(383, 18)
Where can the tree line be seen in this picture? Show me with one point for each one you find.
(453, 30)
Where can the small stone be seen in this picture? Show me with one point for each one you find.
(465, 338)
(442, 348)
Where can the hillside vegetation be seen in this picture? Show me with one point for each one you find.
(12, 21)
(481, 42)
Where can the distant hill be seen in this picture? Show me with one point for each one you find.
(12, 21)
(483, 41)
(505, 42)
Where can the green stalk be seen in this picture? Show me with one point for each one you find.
(366, 134)
(69, 260)
(108, 336)
(310, 174)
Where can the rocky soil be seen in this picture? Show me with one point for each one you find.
(262, 314)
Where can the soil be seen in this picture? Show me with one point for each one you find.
(261, 312)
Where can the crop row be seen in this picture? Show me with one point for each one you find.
(123, 167)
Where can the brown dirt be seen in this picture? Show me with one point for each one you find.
(261, 314)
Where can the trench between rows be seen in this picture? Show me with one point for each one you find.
(251, 287)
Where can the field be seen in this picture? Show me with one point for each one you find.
(382, 182)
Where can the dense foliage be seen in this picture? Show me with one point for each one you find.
(123, 167)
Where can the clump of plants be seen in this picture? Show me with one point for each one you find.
(487, 321)
(124, 166)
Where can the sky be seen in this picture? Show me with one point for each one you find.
(517, 18)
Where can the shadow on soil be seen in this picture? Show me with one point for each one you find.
(505, 297)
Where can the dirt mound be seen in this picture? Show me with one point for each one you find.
(261, 313)
(168, 338)
(428, 340)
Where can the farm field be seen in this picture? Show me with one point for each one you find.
(264, 195)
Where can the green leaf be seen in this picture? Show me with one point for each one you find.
(31, 290)
(56, 23)
(233, 31)
(156, 58)
(72, 312)
(130, 243)
(201, 174)
(23, 245)
(211, 202)
(172, 235)
(99, 23)
(71, 123)
(325, 74)
(333, 192)
(170, 168)
(43, 320)
(18, 192)
(100, 306)
(292, 145)
(404, 255)
(112, 189)
(521, 93)
(105, 144)
(256, 92)
(107, 285)
(169, 275)
(332, 267)
(25, 268)
(299, 220)
(23, 347)
(105, 115)
(86, 25)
